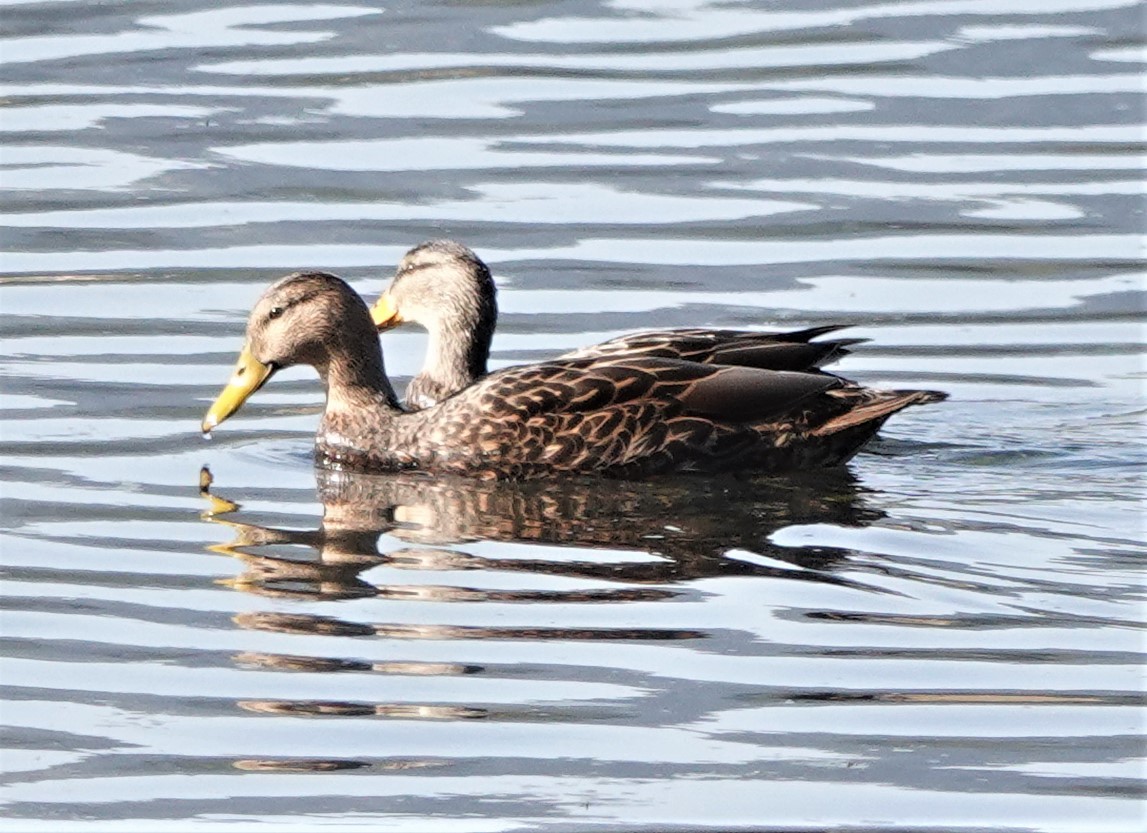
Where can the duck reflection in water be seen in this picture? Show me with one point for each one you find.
(678, 529)
(645, 541)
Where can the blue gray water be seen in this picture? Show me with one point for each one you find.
(946, 635)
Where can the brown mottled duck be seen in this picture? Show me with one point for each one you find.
(617, 415)
(445, 287)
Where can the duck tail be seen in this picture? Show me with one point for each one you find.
(874, 406)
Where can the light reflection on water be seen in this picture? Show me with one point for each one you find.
(949, 634)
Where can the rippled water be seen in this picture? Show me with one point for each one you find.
(948, 635)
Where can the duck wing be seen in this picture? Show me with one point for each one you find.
(728, 393)
(630, 416)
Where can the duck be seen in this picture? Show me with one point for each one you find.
(620, 415)
(444, 287)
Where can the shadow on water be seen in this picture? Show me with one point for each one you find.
(645, 541)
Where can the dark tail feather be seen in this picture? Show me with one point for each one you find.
(832, 351)
(788, 351)
(836, 349)
(814, 332)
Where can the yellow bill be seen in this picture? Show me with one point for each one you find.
(385, 312)
(250, 375)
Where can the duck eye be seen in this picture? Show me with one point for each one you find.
(275, 312)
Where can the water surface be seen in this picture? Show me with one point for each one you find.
(945, 635)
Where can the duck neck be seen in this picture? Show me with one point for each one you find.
(454, 359)
(356, 384)
(459, 346)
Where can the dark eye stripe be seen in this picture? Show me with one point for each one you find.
(413, 267)
(280, 308)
